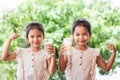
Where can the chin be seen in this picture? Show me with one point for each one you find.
(36, 46)
(82, 44)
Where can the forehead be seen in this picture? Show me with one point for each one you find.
(81, 29)
(35, 32)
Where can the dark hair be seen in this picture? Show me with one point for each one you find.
(34, 25)
(81, 22)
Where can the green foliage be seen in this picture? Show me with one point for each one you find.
(57, 17)
(7, 69)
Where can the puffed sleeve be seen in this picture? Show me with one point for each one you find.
(20, 62)
(96, 53)
(18, 52)
(69, 65)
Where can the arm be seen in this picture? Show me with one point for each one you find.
(63, 59)
(106, 66)
(51, 62)
(6, 55)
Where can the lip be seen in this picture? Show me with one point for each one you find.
(81, 41)
(36, 43)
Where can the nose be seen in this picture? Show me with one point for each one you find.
(36, 39)
(81, 36)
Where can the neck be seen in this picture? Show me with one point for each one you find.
(83, 48)
(35, 49)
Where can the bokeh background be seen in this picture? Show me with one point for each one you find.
(57, 16)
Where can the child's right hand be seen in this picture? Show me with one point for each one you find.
(112, 48)
(13, 37)
(63, 49)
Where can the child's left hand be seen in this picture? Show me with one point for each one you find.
(51, 49)
(112, 48)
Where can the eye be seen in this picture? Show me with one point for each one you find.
(77, 34)
(39, 35)
(32, 36)
(85, 34)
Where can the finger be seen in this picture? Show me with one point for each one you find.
(111, 47)
(63, 47)
(50, 51)
(50, 48)
(15, 36)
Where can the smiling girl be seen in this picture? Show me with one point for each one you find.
(83, 59)
(32, 62)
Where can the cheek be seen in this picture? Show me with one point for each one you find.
(75, 38)
(88, 37)
(27, 39)
(40, 39)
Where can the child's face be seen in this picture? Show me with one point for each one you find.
(35, 38)
(81, 36)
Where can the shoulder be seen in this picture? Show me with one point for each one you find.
(95, 51)
(21, 50)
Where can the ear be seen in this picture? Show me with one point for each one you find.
(27, 39)
(43, 37)
(72, 35)
(90, 35)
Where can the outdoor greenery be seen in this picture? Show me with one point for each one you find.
(57, 16)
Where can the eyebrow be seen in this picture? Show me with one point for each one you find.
(82, 32)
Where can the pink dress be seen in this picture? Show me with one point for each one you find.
(31, 66)
(82, 64)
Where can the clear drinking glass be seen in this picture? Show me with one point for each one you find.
(68, 43)
(46, 42)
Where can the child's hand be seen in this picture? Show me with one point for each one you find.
(112, 48)
(51, 49)
(63, 49)
(14, 36)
